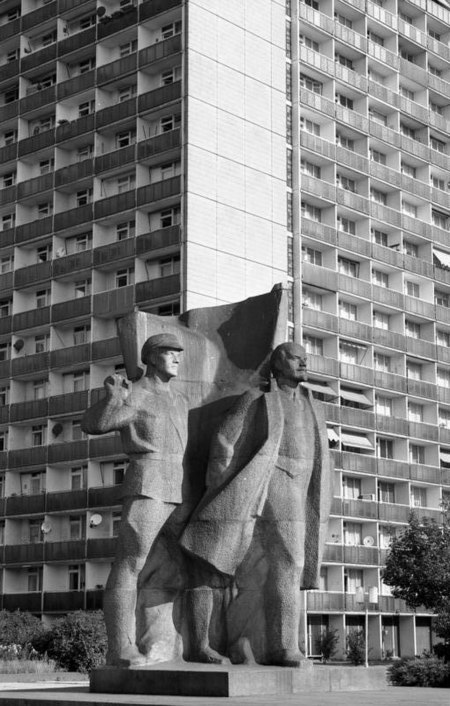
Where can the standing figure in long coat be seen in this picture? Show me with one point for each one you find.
(268, 477)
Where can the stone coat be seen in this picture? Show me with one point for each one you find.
(152, 422)
(242, 459)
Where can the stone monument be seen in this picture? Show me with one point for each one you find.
(226, 498)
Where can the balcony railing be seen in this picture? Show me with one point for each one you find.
(73, 172)
(70, 356)
(72, 263)
(35, 456)
(5, 323)
(71, 550)
(68, 403)
(34, 229)
(150, 8)
(25, 504)
(36, 363)
(161, 143)
(115, 204)
(33, 273)
(160, 50)
(8, 195)
(159, 96)
(393, 513)
(75, 127)
(108, 72)
(106, 496)
(38, 58)
(63, 601)
(115, 113)
(24, 553)
(76, 41)
(108, 26)
(36, 17)
(101, 548)
(36, 142)
(37, 100)
(77, 84)
(73, 217)
(156, 288)
(68, 451)
(114, 251)
(10, 29)
(71, 309)
(110, 348)
(66, 500)
(390, 468)
(94, 599)
(34, 186)
(30, 602)
(117, 158)
(116, 301)
(158, 239)
(28, 410)
(31, 319)
(105, 447)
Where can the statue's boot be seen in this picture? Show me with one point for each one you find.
(199, 607)
(282, 610)
(119, 607)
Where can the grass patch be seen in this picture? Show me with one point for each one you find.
(27, 666)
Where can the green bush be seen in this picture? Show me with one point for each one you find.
(19, 628)
(422, 671)
(356, 647)
(326, 644)
(76, 642)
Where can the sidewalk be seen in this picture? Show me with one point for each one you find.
(42, 695)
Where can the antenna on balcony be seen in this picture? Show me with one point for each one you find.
(57, 429)
(95, 520)
(19, 344)
(101, 11)
(368, 541)
(46, 527)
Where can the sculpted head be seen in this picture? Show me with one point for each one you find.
(161, 354)
(288, 361)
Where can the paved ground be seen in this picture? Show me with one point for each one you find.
(41, 695)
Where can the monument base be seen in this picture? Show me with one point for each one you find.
(194, 679)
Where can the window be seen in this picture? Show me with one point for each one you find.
(377, 156)
(170, 217)
(82, 288)
(128, 48)
(5, 308)
(116, 518)
(312, 3)
(49, 38)
(444, 418)
(76, 577)
(118, 472)
(123, 139)
(409, 209)
(84, 197)
(310, 169)
(77, 526)
(309, 43)
(434, 71)
(406, 93)
(34, 579)
(13, 14)
(410, 248)
(346, 225)
(379, 237)
(5, 351)
(443, 377)
(39, 389)
(3, 440)
(80, 243)
(418, 495)
(309, 126)
(46, 165)
(351, 487)
(312, 212)
(407, 131)
(80, 380)
(345, 183)
(78, 476)
(378, 196)
(439, 219)
(311, 84)
(11, 95)
(409, 171)
(381, 279)
(125, 183)
(312, 300)
(125, 230)
(6, 265)
(85, 152)
(124, 277)
(344, 21)
(383, 405)
(435, 35)
(375, 76)
(413, 370)
(9, 179)
(412, 329)
(2, 522)
(345, 142)
(436, 108)
(344, 101)
(381, 362)
(313, 345)
(42, 298)
(416, 453)
(4, 395)
(348, 353)
(170, 122)
(44, 209)
(81, 334)
(443, 338)
(128, 92)
(10, 137)
(44, 253)
(352, 534)
(8, 221)
(412, 289)
(12, 55)
(348, 267)
(42, 343)
(169, 266)
(343, 61)
(353, 579)
(438, 183)
(86, 108)
(170, 30)
(437, 145)
(348, 311)
(386, 491)
(311, 255)
(76, 433)
(86, 65)
(38, 435)
(415, 412)
(169, 76)
(88, 21)
(381, 320)
(375, 38)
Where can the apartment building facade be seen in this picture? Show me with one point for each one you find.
(174, 154)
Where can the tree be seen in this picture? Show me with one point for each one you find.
(418, 568)
(19, 628)
(76, 642)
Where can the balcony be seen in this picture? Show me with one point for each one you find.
(115, 113)
(419, 430)
(5, 323)
(7, 237)
(71, 309)
(36, 142)
(9, 111)
(30, 602)
(38, 99)
(318, 144)
(425, 349)
(110, 348)
(19, 411)
(74, 128)
(25, 276)
(392, 424)
(74, 172)
(66, 500)
(34, 229)
(9, 70)
(36, 17)
(115, 302)
(428, 474)
(70, 356)
(68, 451)
(34, 186)
(34, 456)
(320, 319)
(114, 251)
(36, 363)
(25, 504)
(354, 329)
(160, 50)
(319, 276)
(150, 8)
(390, 381)
(115, 204)
(387, 296)
(389, 468)
(360, 508)
(31, 319)
(71, 550)
(354, 285)
(391, 512)
(159, 191)
(120, 67)
(315, 186)
(10, 29)
(388, 255)
(38, 58)
(77, 84)
(115, 159)
(356, 373)
(8, 153)
(357, 417)
(159, 96)
(73, 217)
(359, 463)
(94, 600)
(72, 263)
(106, 496)
(68, 403)
(24, 553)
(104, 447)
(101, 548)
(361, 555)
(8, 195)
(77, 41)
(63, 601)
(110, 25)
(157, 288)
(158, 240)
(161, 143)
(420, 388)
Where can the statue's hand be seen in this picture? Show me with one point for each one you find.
(117, 387)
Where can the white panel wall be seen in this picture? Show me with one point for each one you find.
(235, 155)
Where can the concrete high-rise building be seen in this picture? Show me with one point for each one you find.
(181, 153)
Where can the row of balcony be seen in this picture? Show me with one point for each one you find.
(68, 452)
(343, 602)
(390, 468)
(68, 551)
(385, 512)
(52, 602)
(57, 501)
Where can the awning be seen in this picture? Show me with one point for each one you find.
(442, 257)
(445, 456)
(354, 396)
(360, 442)
(332, 436)
(322, 389)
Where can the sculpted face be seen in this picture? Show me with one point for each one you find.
(165, 362)
(291, 363)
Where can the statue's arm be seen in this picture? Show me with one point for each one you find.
(113, 412)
